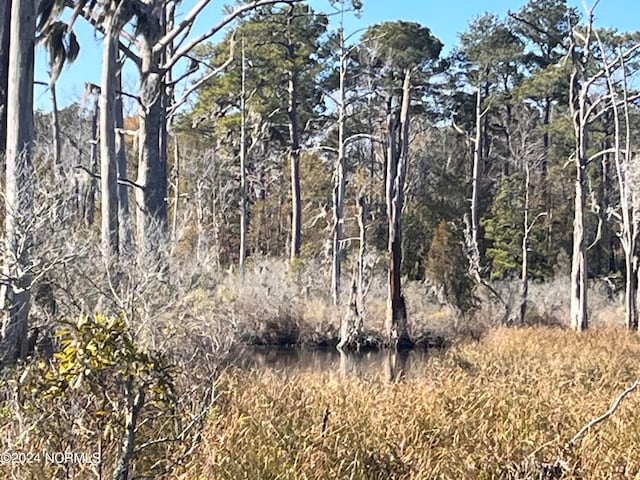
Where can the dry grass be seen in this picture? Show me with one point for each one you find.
(502, 408)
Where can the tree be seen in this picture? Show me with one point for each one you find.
(587, 105)
(406, 51)
(291, 62)
(5, 24)
(16, 272)
(113, 20)
(618, 73)
(446, 269)
(489, 55)
(543, 26)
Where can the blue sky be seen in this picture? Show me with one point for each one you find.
(445, 18)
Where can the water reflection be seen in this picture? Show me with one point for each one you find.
(391, 365)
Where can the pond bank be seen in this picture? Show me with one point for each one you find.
(326, 337)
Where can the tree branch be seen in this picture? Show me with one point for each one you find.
(121, 181)
(215, 29)
(614, 406)
(203, 80)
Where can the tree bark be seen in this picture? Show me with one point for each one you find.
(18, 196)
(55, 127)
(578, 313)
(524, 271)
(5, 29)
(135, 402)
(294, 158)
(244, 201)
(579, 86)
(87, 182)
(125, 234)
(108, 158)
(339, 179)
(631, 291)
(352, 320)
(152, 215)
(396, 327)
(475, 186)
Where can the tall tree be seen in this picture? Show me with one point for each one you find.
(340, 174)
(619, 71)
(489, 55)
(18, 197)
(407, 56)
(153, 64)
(113, 21)
(125, 235)
(587, 105)
(543, 26)
(5, 26)
(285, 55)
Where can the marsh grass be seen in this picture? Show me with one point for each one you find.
(502, 408)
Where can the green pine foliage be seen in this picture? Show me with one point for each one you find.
(447, 269)
(504, 230)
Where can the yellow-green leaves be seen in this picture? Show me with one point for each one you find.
(97, 354)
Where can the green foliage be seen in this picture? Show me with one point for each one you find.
(278, 43)
(544, 25)
(503, 227)
(402, 45)
(98, 354)
(88, 388)
(446, 268)
(490, 50)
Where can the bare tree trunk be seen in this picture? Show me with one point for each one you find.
(125, 234)
(626, 172)
(524, 273)
(578, 313)
(396, 321)
(5, 29)
(475, 186)
(152, 215)
(294, 158)
(362, 213)
(176, 188)
(108, 158)
(352, 321)
(55, 126)
(88, 182)
(19, 178)
(578, 103)
(339, 177)
(135, 402)
(631, 291)
(244, 201)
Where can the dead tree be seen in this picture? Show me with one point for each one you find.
(15, 294)
(396, 325)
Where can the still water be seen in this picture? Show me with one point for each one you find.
(391, 365)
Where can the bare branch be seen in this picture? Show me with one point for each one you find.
(215, 29)
(204, 79)
(604, 416)
(121, 181)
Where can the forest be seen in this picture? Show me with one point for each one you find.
(275, 180)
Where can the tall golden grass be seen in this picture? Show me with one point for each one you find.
(502, 408)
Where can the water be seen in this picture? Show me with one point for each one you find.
(388, 364)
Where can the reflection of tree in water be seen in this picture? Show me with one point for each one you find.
(394, 364)
(390, 364)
